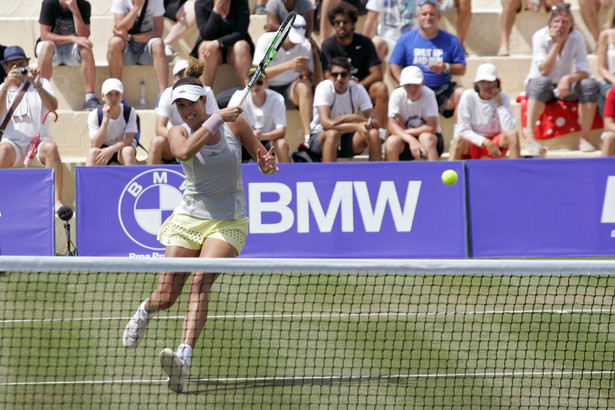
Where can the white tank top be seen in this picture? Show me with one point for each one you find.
(214, 188)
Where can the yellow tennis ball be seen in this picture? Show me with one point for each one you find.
(449, 177)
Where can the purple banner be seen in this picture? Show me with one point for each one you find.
(542, 207)
(341, 210)
(26, 212)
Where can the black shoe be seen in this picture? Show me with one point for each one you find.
(91, 104)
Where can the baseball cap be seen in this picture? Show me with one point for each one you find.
(296, 34)
(112, 84)
(411, 75)
(179, 66)
(486, 72)
(14, 53)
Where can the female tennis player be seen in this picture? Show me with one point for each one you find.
(210, 222)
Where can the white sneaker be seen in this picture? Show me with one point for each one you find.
(135, 329)
(175, 367)
(169, 52)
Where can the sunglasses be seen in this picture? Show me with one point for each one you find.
(342, 74)
(560, 7)
(340, 22)
(434, 2)
(259, 82)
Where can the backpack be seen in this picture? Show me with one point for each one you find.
(126, 113)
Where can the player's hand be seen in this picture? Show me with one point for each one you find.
(266, 163)
(494, 150)
(230, 114)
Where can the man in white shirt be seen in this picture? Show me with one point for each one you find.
(413, 120)
(137, 38)
(386, 21)
(264, 110)
(557, 49)
(336, 129)
(167, 117)
(293, 69)
(27, 118)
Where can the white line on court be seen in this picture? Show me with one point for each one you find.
(336, 315)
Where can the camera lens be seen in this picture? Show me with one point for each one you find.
(23, 70)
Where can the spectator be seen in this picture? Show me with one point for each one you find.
(2, 72)
(436, 52)
(606, 50)
(65, 32)
(360, 51)
(278, 10)
(182, 13)
(485, 120)
(510, 8)
(413, 120)
(325, 6)
(264, 110)
(293, 71)
(589, 11)
(137, 38)
(608, 136)
(261, 7)
(112, 138)
(337, 130)
(557, 49)
(223, 37)
(167, 116)
(27, 117)
(386, 21)
(463, 14)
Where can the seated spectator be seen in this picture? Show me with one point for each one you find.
(223, 37)
(485, 121)
(436, 52)
(360, 51)
(590, 12)
(608, 136)
(463, 15)
(292, 71)
(137, 38)
(167, 116)
(557, 49)
(413, 120)
(337, 129)
(606, 51)
(278, 10)
(26, 119)
(112, 138)
(182, 13)
(510, 8)
(65, 32)
(264, 110)
(323, 7)
(386, 21)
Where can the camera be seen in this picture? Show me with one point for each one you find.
(23, 71)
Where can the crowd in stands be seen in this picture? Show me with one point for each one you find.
(337, 83)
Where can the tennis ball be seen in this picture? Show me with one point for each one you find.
(449, 177)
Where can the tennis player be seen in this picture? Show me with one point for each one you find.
(210, 222)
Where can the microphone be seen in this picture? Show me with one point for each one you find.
(65, 213)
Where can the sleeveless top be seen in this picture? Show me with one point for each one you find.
(214, 188)
(610, 53)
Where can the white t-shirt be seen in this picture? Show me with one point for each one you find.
(478, 118)
(155, 8)
(395, 18)
(27, 119)
(572, 55)
(303, 49)
(117, 126)
(414, 113)
(167, 109)
(355, 98)
(267, 118)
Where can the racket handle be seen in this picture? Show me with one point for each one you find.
(243, 95)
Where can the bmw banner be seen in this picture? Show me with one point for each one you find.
(26, 212)
(339, 210)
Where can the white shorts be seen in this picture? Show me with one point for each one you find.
(66, 54)
(21, 149)
(139, 53)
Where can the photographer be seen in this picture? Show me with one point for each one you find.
(26, 118)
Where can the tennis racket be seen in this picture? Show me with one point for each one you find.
(271, 52)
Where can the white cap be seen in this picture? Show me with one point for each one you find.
(486, 72)
(180, 65)
(188, 91)
(411, 75)
(112, 84)
(296, 35)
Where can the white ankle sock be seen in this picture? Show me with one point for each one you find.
(89, 96)
(185, 352)
(144, 313)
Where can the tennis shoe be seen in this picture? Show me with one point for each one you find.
(135, 329)
(175, 367)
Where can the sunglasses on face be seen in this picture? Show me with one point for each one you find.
(342, 74)
(434, 2)
(340, 22)
(259, 82)
(560, 7)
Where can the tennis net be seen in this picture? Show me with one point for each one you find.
(314, 333)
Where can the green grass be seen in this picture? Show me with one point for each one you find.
(314, 341)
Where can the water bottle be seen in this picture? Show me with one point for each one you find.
(32, 149)
(142, 98)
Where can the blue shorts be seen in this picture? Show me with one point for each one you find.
(139, 53)
(66, 54)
